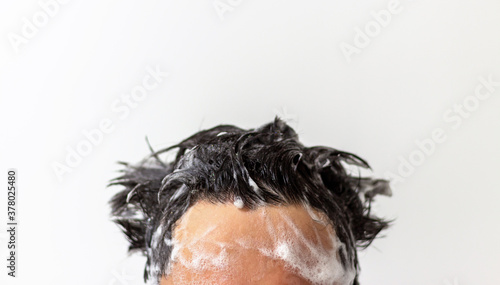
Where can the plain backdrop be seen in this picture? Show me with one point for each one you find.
(242, 63)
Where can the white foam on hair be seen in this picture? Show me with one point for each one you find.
(155, 239)
(254, 185)
(238, 203)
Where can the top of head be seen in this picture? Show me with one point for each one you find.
(267, 166)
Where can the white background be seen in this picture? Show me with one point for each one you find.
(242, 67)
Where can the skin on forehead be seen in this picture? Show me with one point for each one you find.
(224, 244)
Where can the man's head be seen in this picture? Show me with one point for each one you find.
(248, 205)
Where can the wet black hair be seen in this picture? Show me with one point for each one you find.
(262, 166)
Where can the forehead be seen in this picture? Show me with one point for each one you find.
(223, 244)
